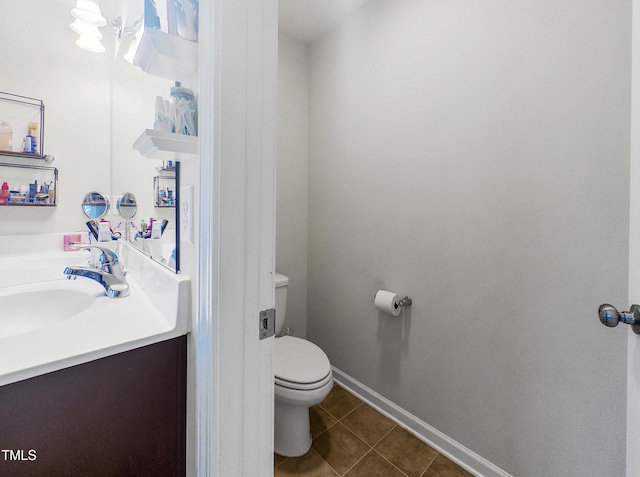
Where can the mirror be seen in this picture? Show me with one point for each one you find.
(97, 105)
(95, 205)
(127, 206)
(133, 102)
(148, 237)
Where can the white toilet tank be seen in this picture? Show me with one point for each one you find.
(281, 284)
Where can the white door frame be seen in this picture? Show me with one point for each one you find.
(237, 101)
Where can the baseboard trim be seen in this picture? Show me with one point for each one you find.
(453, 450)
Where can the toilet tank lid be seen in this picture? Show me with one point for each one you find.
(281, 280)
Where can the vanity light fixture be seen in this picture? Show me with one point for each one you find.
(88, 22)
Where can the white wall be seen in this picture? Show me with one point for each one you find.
(474, 155)
(292, 173)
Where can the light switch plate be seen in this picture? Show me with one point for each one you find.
(186, 214)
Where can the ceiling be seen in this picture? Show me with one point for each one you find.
(308, 20)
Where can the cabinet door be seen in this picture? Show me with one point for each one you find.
(123, 415)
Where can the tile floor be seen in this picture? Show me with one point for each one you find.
(351, 439)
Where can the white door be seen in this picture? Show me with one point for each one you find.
(234, 378)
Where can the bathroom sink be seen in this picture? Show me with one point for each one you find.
(31, 306)
(48, 323)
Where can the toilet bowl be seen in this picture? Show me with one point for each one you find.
(302, 378)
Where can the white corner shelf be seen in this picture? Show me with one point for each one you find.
(166, 56)
(166, 146)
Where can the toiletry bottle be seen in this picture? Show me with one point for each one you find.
(161, 123)
(33, 190)
(6, 137)
(33, 133)
(52, 193)
(4, 193)
(104, 231)
(28, 143)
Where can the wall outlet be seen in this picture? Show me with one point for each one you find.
(186, 214)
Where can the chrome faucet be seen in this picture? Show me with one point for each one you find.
(110, 274)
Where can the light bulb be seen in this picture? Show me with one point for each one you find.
(86, 29)
(89, 11)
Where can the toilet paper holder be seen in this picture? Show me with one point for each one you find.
(406, 301)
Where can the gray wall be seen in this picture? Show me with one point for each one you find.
(475, 156)
(292, 173)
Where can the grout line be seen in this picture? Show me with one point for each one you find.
(355, 435)
(328, 427)
(324, 431)
(322, 459)
(382, 438)
(360, 439)
(392, 464)
(432, 461)
(352, 410)
(356, 462)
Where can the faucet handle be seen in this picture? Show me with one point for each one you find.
(107, 256)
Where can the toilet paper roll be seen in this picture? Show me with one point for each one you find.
(387, 302)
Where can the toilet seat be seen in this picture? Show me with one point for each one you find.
(300, 364)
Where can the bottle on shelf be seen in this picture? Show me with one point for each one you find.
(6, 137)
(4, 193)
(30, 143)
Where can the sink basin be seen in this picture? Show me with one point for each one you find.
(39, 266)
(32, 306)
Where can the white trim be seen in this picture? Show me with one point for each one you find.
(465, 458)
(206, 326)
(236, 121)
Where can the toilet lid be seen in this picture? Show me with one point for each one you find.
(299, 361)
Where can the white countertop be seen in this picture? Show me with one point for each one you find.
(157, 309)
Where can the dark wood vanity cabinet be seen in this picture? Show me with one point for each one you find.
(121, 416)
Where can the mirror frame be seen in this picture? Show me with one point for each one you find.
(130, 203)
(89, 201)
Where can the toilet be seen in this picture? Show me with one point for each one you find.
(302, 378)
